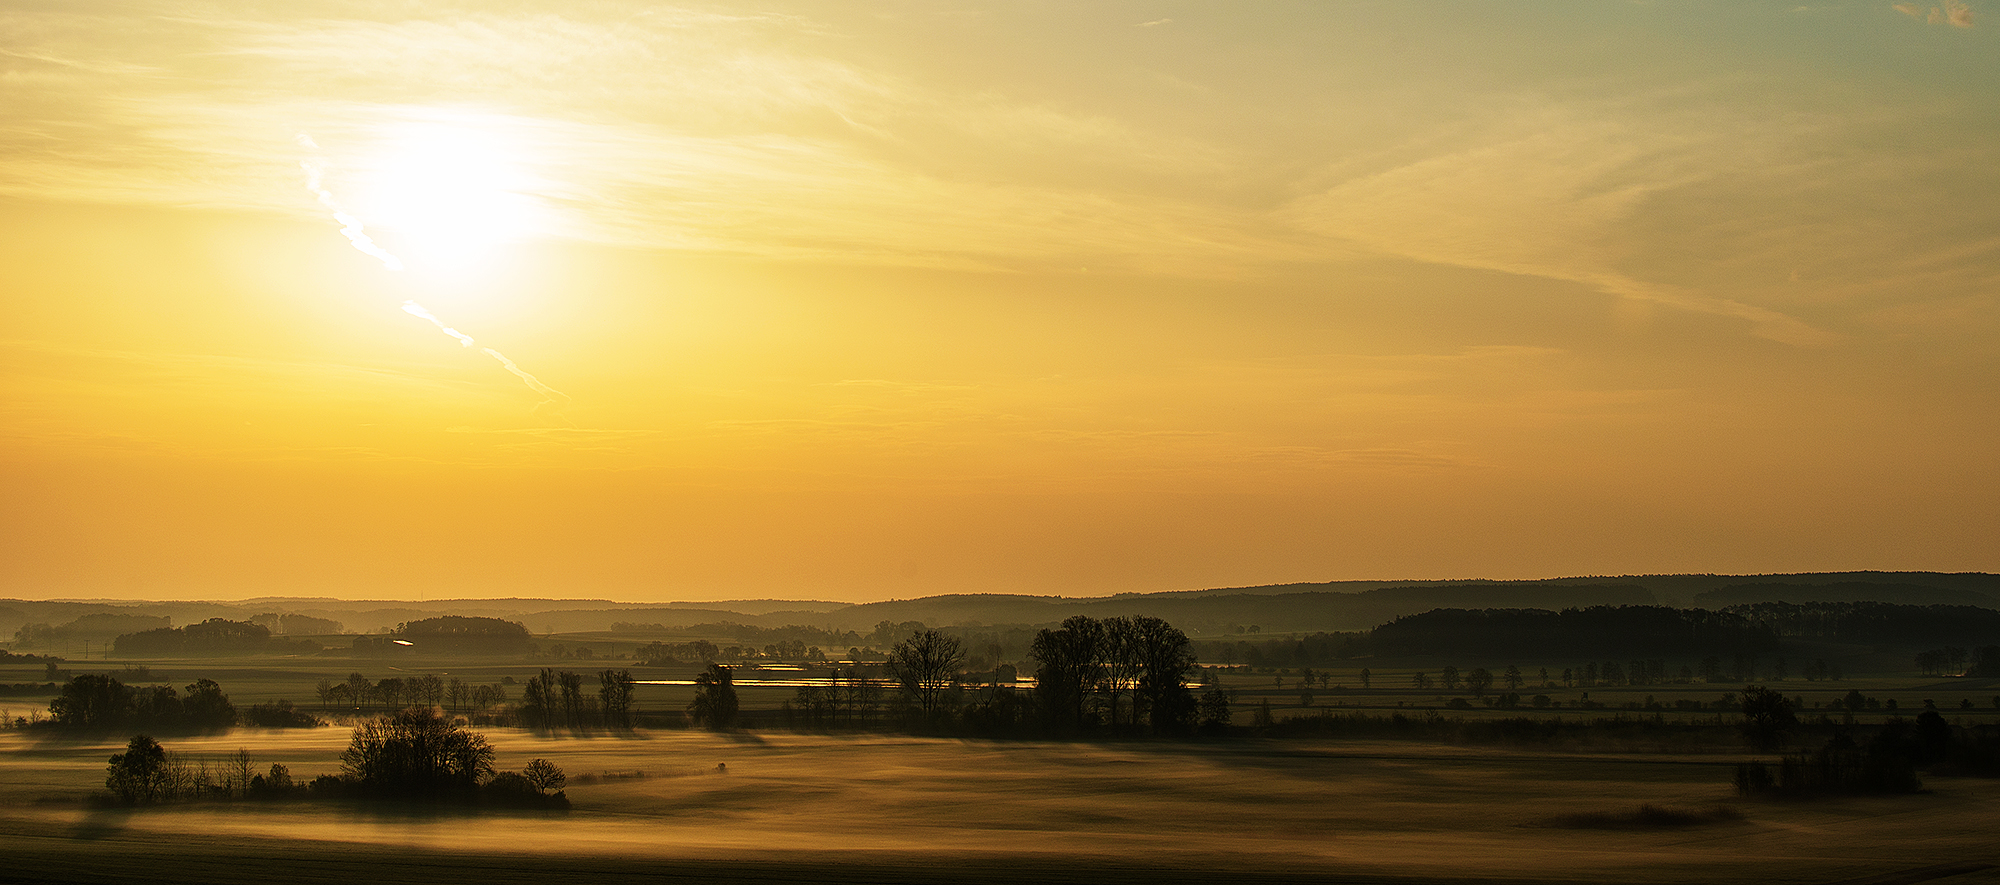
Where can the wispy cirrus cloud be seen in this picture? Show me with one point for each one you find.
(1951, 12)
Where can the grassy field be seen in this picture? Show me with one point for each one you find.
(654, 806)
(815, 808)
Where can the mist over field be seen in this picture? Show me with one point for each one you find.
(1358, 811)
(990, 441)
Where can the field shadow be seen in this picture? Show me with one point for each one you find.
(1645, 817)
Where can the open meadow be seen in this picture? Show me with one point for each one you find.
(688, 805)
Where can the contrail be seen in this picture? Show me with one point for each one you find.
(351, 227)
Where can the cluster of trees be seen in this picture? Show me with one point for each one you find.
(849, 699)
(414, 754)
(751, 634)
(399, 692)
(556, 699)
(701, 651)
(1318, 649)
(285, 623)
(1086, 666)
(660, 654)
(96, 625)
(1874, 622)
(215, 636)
(95, 703)
(451, 634)
(147, 772)
(1888, 762)
(1947, 661)
(1600, 629)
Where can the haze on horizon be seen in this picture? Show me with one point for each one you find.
(890, 299)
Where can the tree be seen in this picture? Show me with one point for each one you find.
(1479, 681)
(1365, 676)
(92, 701)
(206, 707)
(540, 700)
(1121, 660)
(1449, 678)
(1420, 682)
(544, 776)
(1071, 669)
(1214, 711)
(1767, 717)
(416, 752)
(1165, 656)
(359, 689)
(1513, 677)
(614, 697)
(571, 685)
(926, 665)
(237, 768)
(140, 773)
(714, 704)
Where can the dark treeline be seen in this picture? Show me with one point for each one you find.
(559, 699)
(92, 702)
(358, 692)
(215, 636)
(1618, 631)
(1121, 675)
(1875, 622)
(96, 625)
(752, 635)
(288, 623)
(1594, 631)
(451, 634)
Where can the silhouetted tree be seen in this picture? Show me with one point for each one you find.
(1365, 676)
(926, 665)
(544, 775)
(614, 697)
(416, 752)
(207, 708)
(1479, 681)
(1214, 711)
(1071, 669)
(1767, 717)
(92, 701)
(1165, 656)
(140, 774)
(714, 704)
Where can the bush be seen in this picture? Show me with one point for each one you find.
(280, 715)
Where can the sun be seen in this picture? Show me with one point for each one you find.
(450, 194)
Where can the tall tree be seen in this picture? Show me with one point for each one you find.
(714, 704)
(1071, 669)
(614, 697)
(926, 666)
(140, 773)
(1165, 656)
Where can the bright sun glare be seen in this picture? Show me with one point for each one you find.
(450, 194)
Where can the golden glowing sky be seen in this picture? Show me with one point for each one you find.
(862, 300)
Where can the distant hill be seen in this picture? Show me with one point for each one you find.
(1679, 590)
(1216, 613)
(1301, 607)
(1848, 591)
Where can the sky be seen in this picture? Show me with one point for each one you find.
(856, 301)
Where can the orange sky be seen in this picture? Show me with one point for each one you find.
(874, 300)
